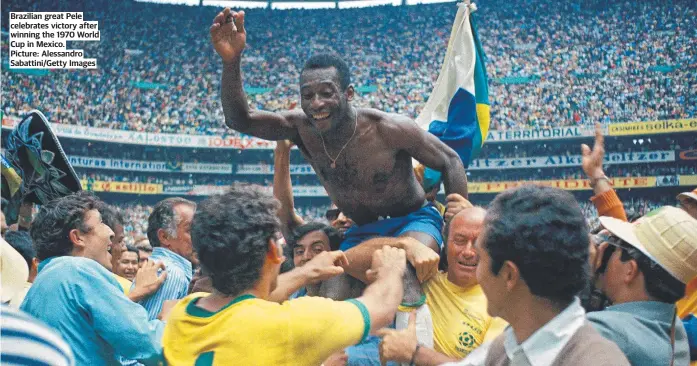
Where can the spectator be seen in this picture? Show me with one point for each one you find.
(457, 302)
(76, 294)
(144, 250)
(644, 277)
(128, 264)
(533, 261)
(112, 217)
(169, 232)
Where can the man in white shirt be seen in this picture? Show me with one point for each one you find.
(533, 260)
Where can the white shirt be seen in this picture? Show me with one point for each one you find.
(542, 347)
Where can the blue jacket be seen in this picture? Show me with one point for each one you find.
(82, 301)
(642, 331)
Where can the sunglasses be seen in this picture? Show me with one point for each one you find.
(332, 214)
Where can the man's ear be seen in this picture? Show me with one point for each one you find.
(162, 237)
(274, 252)
(350, 92)
(74, 236)
(630, 271)
(511, 274)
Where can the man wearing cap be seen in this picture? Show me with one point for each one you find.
(652, 260)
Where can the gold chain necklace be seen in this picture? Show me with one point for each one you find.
(333, 164)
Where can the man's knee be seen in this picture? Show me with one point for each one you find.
(341, 287)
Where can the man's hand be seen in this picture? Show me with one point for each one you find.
(398, 345)
(336, 359)
(167, 306)
(423, 258)
(147, 280)
(325, 266)
(228, 34)
(592, 161)
(454, 204)
(388, 259)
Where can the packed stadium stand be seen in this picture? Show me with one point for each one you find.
(148, 122)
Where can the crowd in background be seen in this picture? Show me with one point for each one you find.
(551, 63)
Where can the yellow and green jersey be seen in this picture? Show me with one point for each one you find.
(252, 331)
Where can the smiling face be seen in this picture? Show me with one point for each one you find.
(322, 98)
(95, 240)
(128, 265)
(465, 228)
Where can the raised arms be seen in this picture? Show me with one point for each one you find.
(229, 38)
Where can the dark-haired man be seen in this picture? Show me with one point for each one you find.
(651, 262)
(533, 261)
(76, 294)
(363, 157)
(239, 245)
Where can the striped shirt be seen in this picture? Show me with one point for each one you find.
(26, 341)
(176, 286)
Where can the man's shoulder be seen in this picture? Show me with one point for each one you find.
(589, 345)
(71, 265)
(611, 324)
(384, 118)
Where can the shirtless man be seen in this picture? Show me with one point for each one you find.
(363, 157)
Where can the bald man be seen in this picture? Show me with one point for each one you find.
(458, 305)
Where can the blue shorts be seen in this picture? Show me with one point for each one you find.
(426, 220)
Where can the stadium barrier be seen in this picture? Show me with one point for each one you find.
(318, 191)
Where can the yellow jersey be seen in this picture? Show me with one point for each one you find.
(460, 320)
(252, 331)
(124, 283)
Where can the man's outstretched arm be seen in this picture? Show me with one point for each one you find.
(282, 187)
(229, 38)
(402, 133)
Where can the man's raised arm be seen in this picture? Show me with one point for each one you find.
(229, 38)
(403, 133)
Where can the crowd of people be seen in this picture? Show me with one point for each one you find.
(233, 279)
(579, 64)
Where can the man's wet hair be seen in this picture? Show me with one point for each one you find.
(327, 60)
(231, 233)
(52, 225)
(543, 231)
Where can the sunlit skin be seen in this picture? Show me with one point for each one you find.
(128, 265)
(465, 228)
(95, 241)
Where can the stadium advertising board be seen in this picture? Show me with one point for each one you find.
(298, 191)
(566, 184)
(148, 138)
(570, 160)
(652, 127)
(121, 187)
(506, 163)
(148, 166)
(545, 134)
(688, 154)
(254, 169)
(177, 189)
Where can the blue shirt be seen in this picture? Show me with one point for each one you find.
(642, 331)
(176, 286)
(82, 301)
